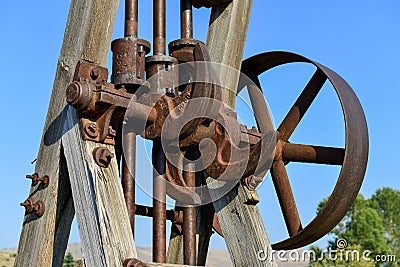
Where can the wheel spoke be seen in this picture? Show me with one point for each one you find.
(301, 105)
(286, 198)
(261, 113)
(313, 154)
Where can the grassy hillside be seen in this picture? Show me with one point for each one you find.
(7, 259)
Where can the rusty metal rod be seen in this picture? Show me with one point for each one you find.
(159, 11)
(313, 154)
(189, 215)
(128, 175)
(159, 204)
(301, 105)
(131, 18)
(286, 198)
(186, 19)
(174, 216)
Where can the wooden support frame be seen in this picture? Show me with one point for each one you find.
(43, 241)
(99, 205)
(241, 223)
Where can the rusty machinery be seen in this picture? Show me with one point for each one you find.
(157, 91)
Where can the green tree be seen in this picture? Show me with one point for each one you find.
(68, 260)
(365, 227)
(371, 224)
(387, 202)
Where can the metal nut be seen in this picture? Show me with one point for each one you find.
(38, 207)
(102, 156)
(112, 132)
(91, 130)
(134, 263)
(94, 74)
(252, 182)
(72, 93)
(35, 179)
(28, 205)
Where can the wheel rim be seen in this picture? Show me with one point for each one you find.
(355, 153)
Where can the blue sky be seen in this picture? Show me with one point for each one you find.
(357, 39)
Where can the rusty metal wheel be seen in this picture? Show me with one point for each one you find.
(352, 158)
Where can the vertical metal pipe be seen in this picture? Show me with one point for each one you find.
(131, 18)
(159, 204)
(128, 175)
(159, 11)
(189, 215)
(186, 19)
(129, 139)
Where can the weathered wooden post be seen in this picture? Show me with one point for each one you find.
(243, 229)
(43, 240)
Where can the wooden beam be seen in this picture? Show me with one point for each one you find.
(241, 223)
(87, 36)
(225, 42)
(204, 218)
(153, 264)
(100, 208)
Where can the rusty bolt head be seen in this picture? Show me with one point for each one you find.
(94, 73)
(73, 92)
(45, 180)
(252, 182)
(102, 156)
(134, 263)
(28, 205)
(112, 132)
(91, 130)
(34, 177)
(38, 208)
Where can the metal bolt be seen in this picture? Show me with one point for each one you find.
(27, 204)
(94, 74)
(252, 182)
(38, 207)
(35, 179)
(73, 92)
(102, 156)
(45, 180)
(134, 263)
(112, 132)
(91, 130)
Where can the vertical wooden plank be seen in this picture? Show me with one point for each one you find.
(225, 42)
(43, 241)
(100, 208)
(241, 223)
(204, 217)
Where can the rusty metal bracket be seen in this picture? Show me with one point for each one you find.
(97, 101)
